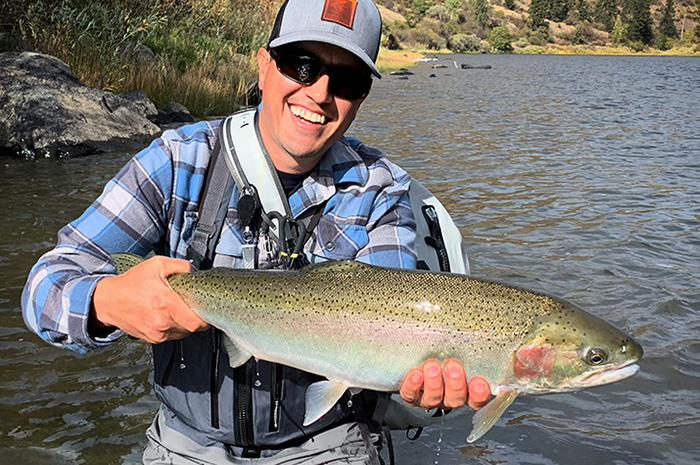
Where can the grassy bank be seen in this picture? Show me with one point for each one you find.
(199, 53)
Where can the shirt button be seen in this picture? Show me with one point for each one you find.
(330, 246)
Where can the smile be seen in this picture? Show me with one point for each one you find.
(307, 115)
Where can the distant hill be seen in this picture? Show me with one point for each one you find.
(536, 26)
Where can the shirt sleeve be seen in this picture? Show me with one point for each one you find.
(129, 216)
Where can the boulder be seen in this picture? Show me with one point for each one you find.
(48, 112)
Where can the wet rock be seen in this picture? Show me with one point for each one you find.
(468, 66)
(401, 72)
(49, 112)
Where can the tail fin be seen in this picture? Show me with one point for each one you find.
(124, 261)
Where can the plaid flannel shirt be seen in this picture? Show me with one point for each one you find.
(152, 203)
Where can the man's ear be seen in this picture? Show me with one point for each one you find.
(263, 64)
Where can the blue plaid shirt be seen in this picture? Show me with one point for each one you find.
(152, 204)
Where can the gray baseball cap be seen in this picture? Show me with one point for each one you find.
(354, 25)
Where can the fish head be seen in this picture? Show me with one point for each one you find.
(570, 349)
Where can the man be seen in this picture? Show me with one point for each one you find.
(314, 75)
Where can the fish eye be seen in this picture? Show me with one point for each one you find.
(596, 356)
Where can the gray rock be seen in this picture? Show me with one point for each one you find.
(48, 112)
(179, 113)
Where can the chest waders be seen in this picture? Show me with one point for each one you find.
(262, 211)
(267, 212)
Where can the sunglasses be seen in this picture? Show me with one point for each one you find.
(343, 81)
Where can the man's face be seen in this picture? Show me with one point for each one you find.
(299, 123)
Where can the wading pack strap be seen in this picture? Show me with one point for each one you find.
(251, 166)
(218, 185)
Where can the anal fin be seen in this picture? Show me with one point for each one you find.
(236, 355)
(485, 418)
(320, 398)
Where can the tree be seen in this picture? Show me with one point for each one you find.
(539, 10)
(636, 14)
(584, 10)
(606, 12)
(556, 10)
(421, 6)
(618, 34)
(667, 25)
(500, 40)
(482, 12)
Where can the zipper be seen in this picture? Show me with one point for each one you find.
(214, 378)
(276, 377)
(243, 403)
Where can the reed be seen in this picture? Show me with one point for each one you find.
(212, 90)
(203, 49)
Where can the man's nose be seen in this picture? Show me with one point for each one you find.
(319, 91)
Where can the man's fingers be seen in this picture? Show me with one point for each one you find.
(183, 316)
(455, 384)
(433, 387)
(412, 386)
(479, 392)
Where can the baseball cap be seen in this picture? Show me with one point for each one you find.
(354, 25)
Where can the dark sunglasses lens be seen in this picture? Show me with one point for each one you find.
(344, 82)
(350, 84)
(304, 70)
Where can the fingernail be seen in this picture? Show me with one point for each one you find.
(432, 370)
(453, 371)
(417, 377)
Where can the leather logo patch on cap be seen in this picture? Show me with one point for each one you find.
(339, 11)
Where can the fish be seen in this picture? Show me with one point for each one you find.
(363, 326)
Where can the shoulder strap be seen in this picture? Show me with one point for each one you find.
(240, 137)
(218, 186)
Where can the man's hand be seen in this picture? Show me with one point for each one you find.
(446, 387)
(142, 304)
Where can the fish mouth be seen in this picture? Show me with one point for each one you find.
(606, 376)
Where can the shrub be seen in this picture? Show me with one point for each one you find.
(499, 39)
(438, 12)
(522, 42)
(461, 43)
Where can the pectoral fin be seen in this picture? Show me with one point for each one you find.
(236, 355)
(320, 398)
(485, 418)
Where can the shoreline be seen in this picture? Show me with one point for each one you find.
(390, 60)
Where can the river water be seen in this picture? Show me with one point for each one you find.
(577, 176)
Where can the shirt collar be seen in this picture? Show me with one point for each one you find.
(340, 165)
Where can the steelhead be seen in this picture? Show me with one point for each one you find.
(364, 327)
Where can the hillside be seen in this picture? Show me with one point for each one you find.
(538, 26)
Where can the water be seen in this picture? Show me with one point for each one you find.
(578, 176)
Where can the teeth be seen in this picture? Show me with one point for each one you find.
(308, 116)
